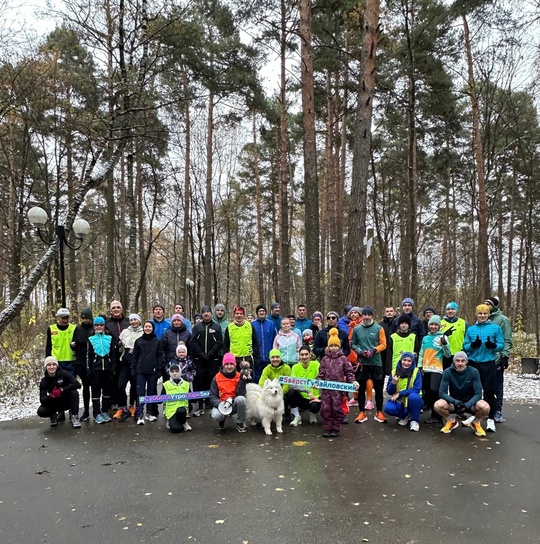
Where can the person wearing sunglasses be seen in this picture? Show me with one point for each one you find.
(321, 340)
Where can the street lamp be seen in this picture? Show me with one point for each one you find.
(190, 284)
(38, 217)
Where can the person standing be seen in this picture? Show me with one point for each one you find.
(454, 328)
(241, 340)
(501, 362)
(179, 309)
(345, 319)
(287, 342)
(128, 338)
(161, 325)
(114, 325)
(101, 365)
(302, 321)
(368, 341)
(266, 332)
(220, 317)
(79, 343)
(483, 342)
(148, 360)
(321, 339)
(275, 317)
(407, 307)
(207, 342)
(59, 337)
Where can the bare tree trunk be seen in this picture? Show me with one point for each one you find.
(284, 265)
(355, 253)
(209, 205)
(482, 272)
(258, 205)
(311, 184)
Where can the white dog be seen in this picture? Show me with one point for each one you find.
(265, 405)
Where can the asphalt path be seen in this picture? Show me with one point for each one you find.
(376, 483)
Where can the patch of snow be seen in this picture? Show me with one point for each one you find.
(518, 389)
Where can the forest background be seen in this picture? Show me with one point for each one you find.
(317, 152)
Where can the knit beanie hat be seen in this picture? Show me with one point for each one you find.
(333, 338)
(86, 313)
(429, 309)
(49, 360)
(135, 316)
(356, 309)
(452, 306)
(174, 366)
(347, 308)
(492, 301)
(99, 320)
(158, 306)
(404, 318)
(367, 310)
(274, 305)
(228, 358)
(274, 353)
(407, 300)
(435, 319)
(316, 314)
(220, 306)
(181, 348)
(260, 307)
(206, 308)
(177, 316)
(484, 308)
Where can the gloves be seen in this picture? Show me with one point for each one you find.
(356, 385)
(502, 363)
(448, 332)
(460, 409)
(477, 343)
(490, 344)
(56, 393)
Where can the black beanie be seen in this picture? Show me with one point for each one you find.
(404, 318)
(260, 307)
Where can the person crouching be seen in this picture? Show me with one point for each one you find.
(227, 386)
(404, 388)
(57, 393)
(176, 411)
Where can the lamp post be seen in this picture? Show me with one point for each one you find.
(38, 217)
(190, 284)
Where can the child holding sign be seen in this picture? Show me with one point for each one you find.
(335, 367)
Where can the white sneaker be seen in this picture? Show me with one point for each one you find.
(151, 417)
(313, 419)
(404, 421)
(140, 421)
(187, 427)
(490, 426)
(414, 426)
(467, 422)
(297, 420)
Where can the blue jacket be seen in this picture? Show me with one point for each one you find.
(276, 321)
(160, 327)
(484, 330)
(414, 387)
(303, 324)
(343, 324)
(266, 332)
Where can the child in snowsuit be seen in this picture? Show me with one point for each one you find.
(334, 367)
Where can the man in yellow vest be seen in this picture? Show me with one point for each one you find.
(59, 338)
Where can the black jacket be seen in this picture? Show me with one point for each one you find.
(321, 342)
(80, 336)
(147, 355)
(62, 379)
(207, 341)
(170, 339)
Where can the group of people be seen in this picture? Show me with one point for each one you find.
(440, 365)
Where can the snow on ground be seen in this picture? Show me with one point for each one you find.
(518, 390)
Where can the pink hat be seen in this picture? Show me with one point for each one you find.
(229, 358)
(177, 316)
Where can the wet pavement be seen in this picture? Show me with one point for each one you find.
(375, 483)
